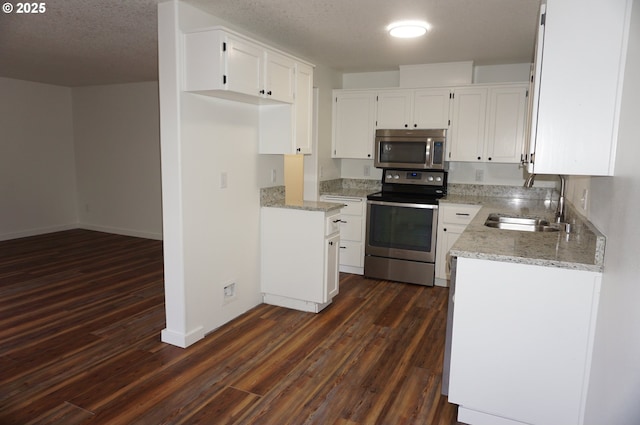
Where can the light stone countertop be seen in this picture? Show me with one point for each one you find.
(305, 205)
(581, 249)
(274, 197)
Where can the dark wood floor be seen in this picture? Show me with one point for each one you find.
(80, 320)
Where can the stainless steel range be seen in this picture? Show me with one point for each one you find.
(402, 221)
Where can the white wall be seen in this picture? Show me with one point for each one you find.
(614, 388)
(117, 145)
(37, 167)
(211, 234)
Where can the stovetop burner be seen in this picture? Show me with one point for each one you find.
(415, 186)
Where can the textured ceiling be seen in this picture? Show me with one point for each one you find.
(87, 42)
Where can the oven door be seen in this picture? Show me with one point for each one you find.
(405, 231)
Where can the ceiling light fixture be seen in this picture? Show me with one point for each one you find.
(408, 29)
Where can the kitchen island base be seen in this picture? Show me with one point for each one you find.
(522, 342)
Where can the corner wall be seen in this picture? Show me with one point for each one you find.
(614, 388)
(117, 146)
(37, 166)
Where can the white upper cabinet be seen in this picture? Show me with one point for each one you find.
(507, 107)
(468, 119)
(354, 115)
(409, 108)
(581, 52)
(224, 64)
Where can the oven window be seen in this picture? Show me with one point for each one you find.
(401, 227)
(403, 152)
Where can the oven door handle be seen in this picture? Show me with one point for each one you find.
(403, 204)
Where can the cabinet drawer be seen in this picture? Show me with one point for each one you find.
(352, 206)
(459, 214)
(351, 228)
(332, 224)
(351, 254)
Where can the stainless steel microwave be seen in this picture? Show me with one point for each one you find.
(410, 149)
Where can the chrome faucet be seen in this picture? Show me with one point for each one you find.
(560, 211)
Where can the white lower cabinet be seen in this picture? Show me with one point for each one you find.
(299, 257)
(452, 220)
(522, 342)
(353, 225)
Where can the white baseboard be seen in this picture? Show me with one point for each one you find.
(37, 231)
(180, 339)
(119, 231)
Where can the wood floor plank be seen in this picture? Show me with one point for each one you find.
(80, 320)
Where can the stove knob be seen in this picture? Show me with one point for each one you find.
(430, 178)
(389, 176)
(438, 179)
(397, 176)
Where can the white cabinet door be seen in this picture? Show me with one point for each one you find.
(452, 220)
(506, 123)
(303, 104)
(354, 114)
(279, 77)
(331, 267)
(244, 66)
(449, 235)
(577, 104)
(431, 108)
(468, 120)
(522, 341)
(394, 109)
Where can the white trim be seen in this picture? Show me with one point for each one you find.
(37, 231)
(121, 231)
(182, 340)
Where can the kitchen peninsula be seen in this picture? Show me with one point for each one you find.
(523, 313)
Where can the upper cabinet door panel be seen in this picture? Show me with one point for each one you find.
(466, 141)
(354, 116)
(394, 109)
(280, 77)
(244, 67)
(506, 123)
(431, 108)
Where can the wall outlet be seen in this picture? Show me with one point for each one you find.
(228, 292)
(223, 180)
(479, 175)
(274, 175)
(367, 170)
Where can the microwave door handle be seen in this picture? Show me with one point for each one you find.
(428, 153)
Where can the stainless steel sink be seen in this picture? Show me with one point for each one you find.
(523, 224)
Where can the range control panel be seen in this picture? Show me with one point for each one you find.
(421, 178)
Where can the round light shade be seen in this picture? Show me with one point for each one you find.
(408, 29)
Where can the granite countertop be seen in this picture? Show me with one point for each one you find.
(305, 205)
(581, 249)
(349, 192)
